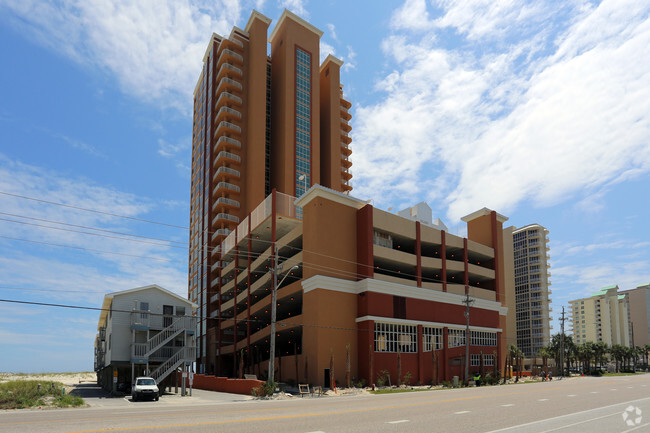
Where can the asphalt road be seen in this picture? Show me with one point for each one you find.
(576, 405)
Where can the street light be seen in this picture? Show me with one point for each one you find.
(274, 307)
(303, 178)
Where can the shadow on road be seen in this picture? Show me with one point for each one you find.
(89, 390)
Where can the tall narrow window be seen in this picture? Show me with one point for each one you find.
(303, 121)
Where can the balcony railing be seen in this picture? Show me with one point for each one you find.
(228, 186)
(225, 170)
(229, 96)
(227, 140)
(227, 155)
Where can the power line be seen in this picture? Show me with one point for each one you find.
(90, 249)
(93, 210)
(86, 227)
(96, 234)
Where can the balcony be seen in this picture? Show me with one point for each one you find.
(228, 84)
(224, 127)
(226, 113)
(345, 127)
(227, 97)
(346, 174)
(345, 104)
(345, 116)
(225, 218)
(230, 56)
(222, 232)
(345, 150)
(228, 70)
(223, 187)
(102, 333)
(225, 172)
(225, 157)
(345, 162)
(226, 202)
(225, 143)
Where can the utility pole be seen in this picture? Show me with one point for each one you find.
(274, 307)
(467, 301)
(271, 375)
(562, 344)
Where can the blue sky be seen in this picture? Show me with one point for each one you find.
(537, 110)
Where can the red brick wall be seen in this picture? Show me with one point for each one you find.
(223, 384)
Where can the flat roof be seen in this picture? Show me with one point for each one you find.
(482, 212)
(286, 14)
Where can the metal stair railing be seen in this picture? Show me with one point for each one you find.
(165, 335)
(185, 354)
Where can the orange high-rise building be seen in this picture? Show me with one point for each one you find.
(261, 123)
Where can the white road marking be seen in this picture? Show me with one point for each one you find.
(317, 431)
(594, 392)
(636, 428)
(462, 412)
(571, 395)
(617, 413)
(507, 405)
(630, 387)
(613, 389)
(543, 399)
(397, 422)
(644, 385)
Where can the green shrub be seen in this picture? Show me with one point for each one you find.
(264, 390)
(407, 378)
(20, 394)
(383, 378)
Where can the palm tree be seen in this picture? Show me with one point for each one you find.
(545, 353)
(600, 349)
(618, 352)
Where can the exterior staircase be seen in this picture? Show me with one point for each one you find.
(184, 354)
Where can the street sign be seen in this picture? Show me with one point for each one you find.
(191, 378)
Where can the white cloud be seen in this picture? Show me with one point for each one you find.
(325, 49)
(115, 264)
(332, 29)
(413, 15)
(296, 6)
(154, 48)
(556, 114)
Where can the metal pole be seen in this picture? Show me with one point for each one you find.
(467, 301)
(274, 308)
(562, 346)
(271, 374)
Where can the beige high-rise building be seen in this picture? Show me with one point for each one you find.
(604, 316)
(532, 302)
(261, 123)
(639, 313)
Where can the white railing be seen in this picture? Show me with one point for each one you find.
(185, 354)
(228, 186)
(226, 201)
(228, 95)
(226, 170)
(231, 53)
(224, 154)
(231, 82)
(228, 140)
(224, 124)
(140, 318)
(230, 67)
(228, 109)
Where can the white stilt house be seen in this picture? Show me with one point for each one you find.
(143, 331)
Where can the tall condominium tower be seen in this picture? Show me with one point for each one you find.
(261, 124)
(532, 293)
(639, 314)
(602, 317)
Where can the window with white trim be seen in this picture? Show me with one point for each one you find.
(456, 338)
(394, 337)
(431, 338)
(483, 338)
(475, 360)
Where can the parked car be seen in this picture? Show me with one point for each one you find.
(145, 387)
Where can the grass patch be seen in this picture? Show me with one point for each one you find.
(22, 394)
(620, 374)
